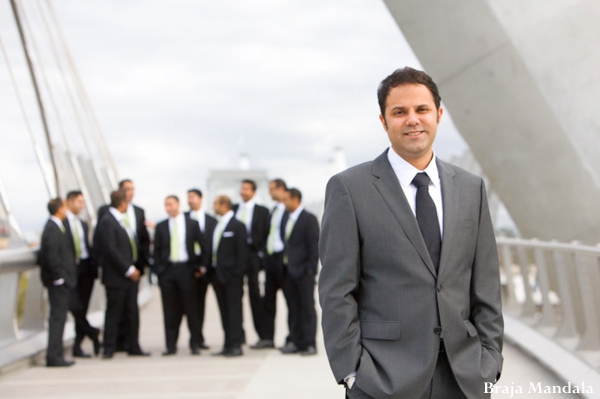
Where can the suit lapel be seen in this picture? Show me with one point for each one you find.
(388, 186)
(450, 203)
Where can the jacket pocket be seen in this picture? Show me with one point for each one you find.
(471, 330)
(384, 330)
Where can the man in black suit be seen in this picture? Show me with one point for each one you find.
(274, 260)
(87, 272)
(229, 262)
(207, 226)
(256, 219)
(59, 276)
(175, 262)
(300, 261)
(117, 249)
(134, 218)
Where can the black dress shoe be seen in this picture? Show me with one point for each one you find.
(108, 355)
(59, 363)
(233, 352)
(195, 351)
(264, 344)
(310, 351)
(221, 353)
(97, 343)
(289, 348)
(77, 352)
(169, 353)
(203, 346)
(138, 353)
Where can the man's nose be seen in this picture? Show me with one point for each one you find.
(412, 119)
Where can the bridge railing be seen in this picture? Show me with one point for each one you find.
(24, 307)
(553, 289)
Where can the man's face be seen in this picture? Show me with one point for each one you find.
(273, 191)
(291, 203)
(172, 207)
(194, 201)
(76, 204)
(246, 192)
(129, 191)
(411, 121)
(61, 213)
(218, 208)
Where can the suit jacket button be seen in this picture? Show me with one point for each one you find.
(437, 330)
(439, 288)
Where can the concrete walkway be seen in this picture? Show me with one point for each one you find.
(262, 374)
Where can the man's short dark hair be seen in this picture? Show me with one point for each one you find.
(295, 193)
(54, 205)
(195, 191)
(176, 198)
(71, 195)
(252, 183)
(406, 76)
(225, 200)
(117, 198)
(122, 183)
(279, 183)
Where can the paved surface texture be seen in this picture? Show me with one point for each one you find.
(264, 374)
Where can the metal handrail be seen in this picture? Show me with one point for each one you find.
(18, 260)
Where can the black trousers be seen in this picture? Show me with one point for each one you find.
(273, 283)
(229, 297)
(443, 385)
(201, 288)
(301, 303)
(256, 302)
(83, 293)
(58, 297)
(121, 305)
(179, 297)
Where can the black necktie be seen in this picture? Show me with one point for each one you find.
(427, 218)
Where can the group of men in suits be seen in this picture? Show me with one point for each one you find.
(193, 250)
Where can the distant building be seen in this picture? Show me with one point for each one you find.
(228, 181)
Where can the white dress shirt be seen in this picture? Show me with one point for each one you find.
(119, 216)
(181, 236)
(223, 222)
(200, 216)
(132, 219)
(405, 173)
(61, 226)
(277, 241)
(249, 208)
(75, 220)
(293, 217)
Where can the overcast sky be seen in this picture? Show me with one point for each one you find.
(182, 87)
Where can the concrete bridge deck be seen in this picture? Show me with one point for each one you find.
(264, 374)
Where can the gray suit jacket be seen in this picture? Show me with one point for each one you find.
(382, 300)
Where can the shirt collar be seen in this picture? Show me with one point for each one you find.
(405, 172)
(177, 218)
(249, 204)
(116, 213)
(71, 216)
(58, 222)
(294, 215)
(227, 217)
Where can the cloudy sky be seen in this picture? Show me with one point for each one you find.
(182, 87)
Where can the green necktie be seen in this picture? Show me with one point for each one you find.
(175, 242)
(134, 250)
(288, 232)
(272, 232)
(243, 218)
(197, 249)
(76, 240)
(217, 241)
(62, 228)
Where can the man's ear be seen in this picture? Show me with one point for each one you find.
(382, 119)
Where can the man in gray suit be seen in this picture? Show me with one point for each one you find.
(410, 285)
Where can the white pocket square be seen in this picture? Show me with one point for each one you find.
(228, 234)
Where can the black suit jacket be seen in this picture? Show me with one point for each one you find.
(56, 258)
(302, 247)
(142, 235)
(259, 230)
(114, 252)
(91, 267)
(210, 223)
(232, 253)
(162, 245)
